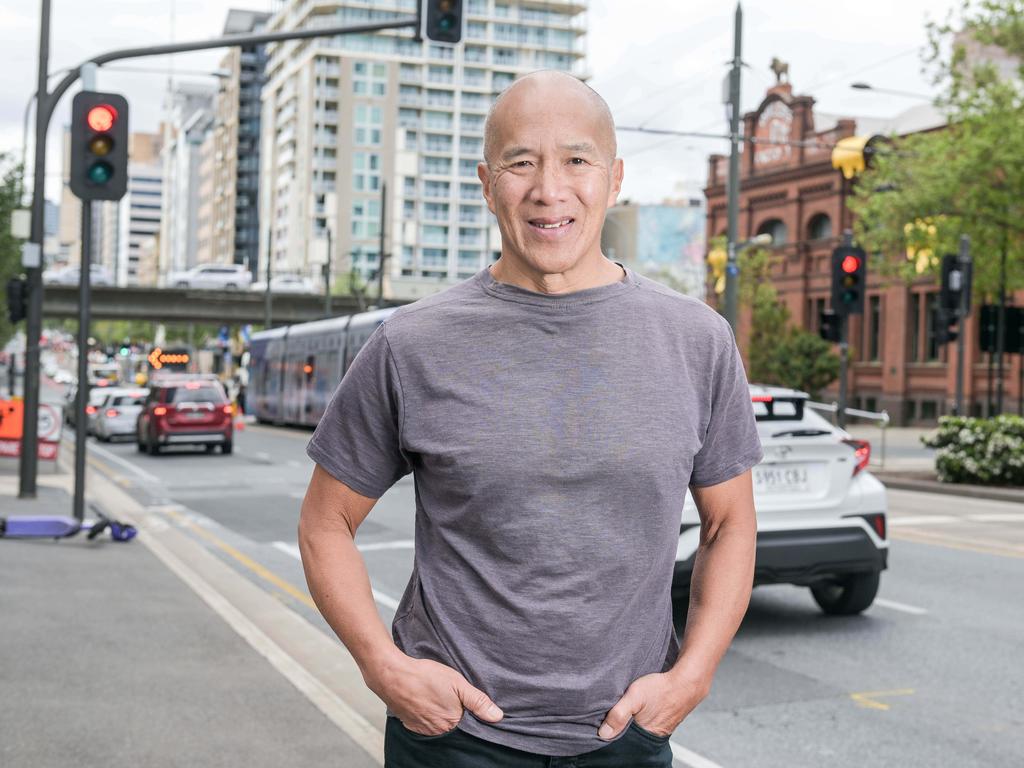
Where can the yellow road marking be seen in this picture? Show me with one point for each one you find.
(245, 560)
(867, 698)
(242, 558)
(968, 545)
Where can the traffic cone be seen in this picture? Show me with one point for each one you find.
(239, 419)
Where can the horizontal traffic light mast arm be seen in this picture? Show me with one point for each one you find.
(809, 143)
(229, 41)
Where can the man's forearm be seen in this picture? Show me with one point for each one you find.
(340, 586)
(723, 574)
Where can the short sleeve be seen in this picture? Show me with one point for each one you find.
(358, 439)
(731, 445)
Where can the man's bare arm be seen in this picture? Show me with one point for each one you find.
(427, 696)
(723, 574)
(336, 573)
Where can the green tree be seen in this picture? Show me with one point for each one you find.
(10, 248)
(779, 352)
(927, 189)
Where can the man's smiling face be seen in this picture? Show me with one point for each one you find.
(551, 172)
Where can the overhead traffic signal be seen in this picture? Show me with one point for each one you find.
(443, 20)
(17, 299)
(99, 146)
(849, 280)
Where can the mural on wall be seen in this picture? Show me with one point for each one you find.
(670, 238)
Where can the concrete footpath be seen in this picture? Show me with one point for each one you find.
(154, 653)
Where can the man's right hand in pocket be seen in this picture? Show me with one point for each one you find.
(428, 697)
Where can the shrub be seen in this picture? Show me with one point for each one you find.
(982, 451)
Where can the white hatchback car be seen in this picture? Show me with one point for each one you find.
(228, 277)
(117, 414)
(821, 515)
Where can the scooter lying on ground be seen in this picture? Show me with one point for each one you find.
(63, 527)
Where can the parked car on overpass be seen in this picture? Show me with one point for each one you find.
(212, 276)
(98, 275)
(286, 284)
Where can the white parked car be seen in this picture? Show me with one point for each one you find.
(98, 275)
(229, 277)
(286, 284)
(821, 515)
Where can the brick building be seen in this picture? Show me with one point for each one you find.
(792, 192)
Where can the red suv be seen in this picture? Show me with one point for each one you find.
(185, 411)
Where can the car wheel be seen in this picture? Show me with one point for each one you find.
(182, 284)
(209, 447)
(139, 445)
(231, 287)
(226, 447)
(847, 595)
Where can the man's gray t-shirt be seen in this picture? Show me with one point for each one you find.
(552, 439)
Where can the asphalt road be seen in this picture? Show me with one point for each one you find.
(928, 676)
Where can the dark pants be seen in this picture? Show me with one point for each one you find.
(636, 748)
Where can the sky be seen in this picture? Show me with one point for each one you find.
(659, 64)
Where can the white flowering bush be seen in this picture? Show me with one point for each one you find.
(981, 451)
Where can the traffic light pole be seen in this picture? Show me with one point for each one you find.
(964, 260)
(82, 394)
(45, 105)
(731, 266)
(844, 351)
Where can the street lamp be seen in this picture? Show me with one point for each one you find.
(893, 92)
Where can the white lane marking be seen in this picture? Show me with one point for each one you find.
(997, 517)
(292, 550)
(922, 520)
(151, 479)
(689, 758)
(340, 713)
(263, 455)
(893, 605)
(297, 494)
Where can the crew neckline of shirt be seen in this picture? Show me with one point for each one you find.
(509, 292)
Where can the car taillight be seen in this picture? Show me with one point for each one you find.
(160, 411)
(227, 409)
(861, 453)
(90, 409)
(876, 521)
(111, 413)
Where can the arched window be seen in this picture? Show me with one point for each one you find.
(819, 227)
(776, 229)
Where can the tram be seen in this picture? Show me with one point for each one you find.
(294, 369)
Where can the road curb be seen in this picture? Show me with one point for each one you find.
(921, 484)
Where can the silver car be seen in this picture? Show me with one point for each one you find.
(118, 413)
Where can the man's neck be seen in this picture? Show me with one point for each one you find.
(604, 272)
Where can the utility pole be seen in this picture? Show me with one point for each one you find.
(731, 266)
(28, 467)
(327, 275)
(1000, 325)
(268, 300)
(380, 248)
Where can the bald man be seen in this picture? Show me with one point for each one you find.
(554, 410)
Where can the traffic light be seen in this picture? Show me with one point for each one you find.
(99, 146)
(849, 280)
(956, 280)
(444, 20)
(947, 326)
(17, 299)
(828, 327)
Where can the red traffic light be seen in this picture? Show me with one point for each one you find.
(850, 264)
(101, 117)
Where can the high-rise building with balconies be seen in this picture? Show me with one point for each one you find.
(345, 117)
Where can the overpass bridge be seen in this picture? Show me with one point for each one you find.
(190, 305)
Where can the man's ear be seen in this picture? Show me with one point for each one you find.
(616, 181)
(484, 174)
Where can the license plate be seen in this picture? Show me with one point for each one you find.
(196, 416)
(789, 478)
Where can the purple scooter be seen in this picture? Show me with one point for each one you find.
(62, 527)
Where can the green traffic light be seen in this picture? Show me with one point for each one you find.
(100, 172)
